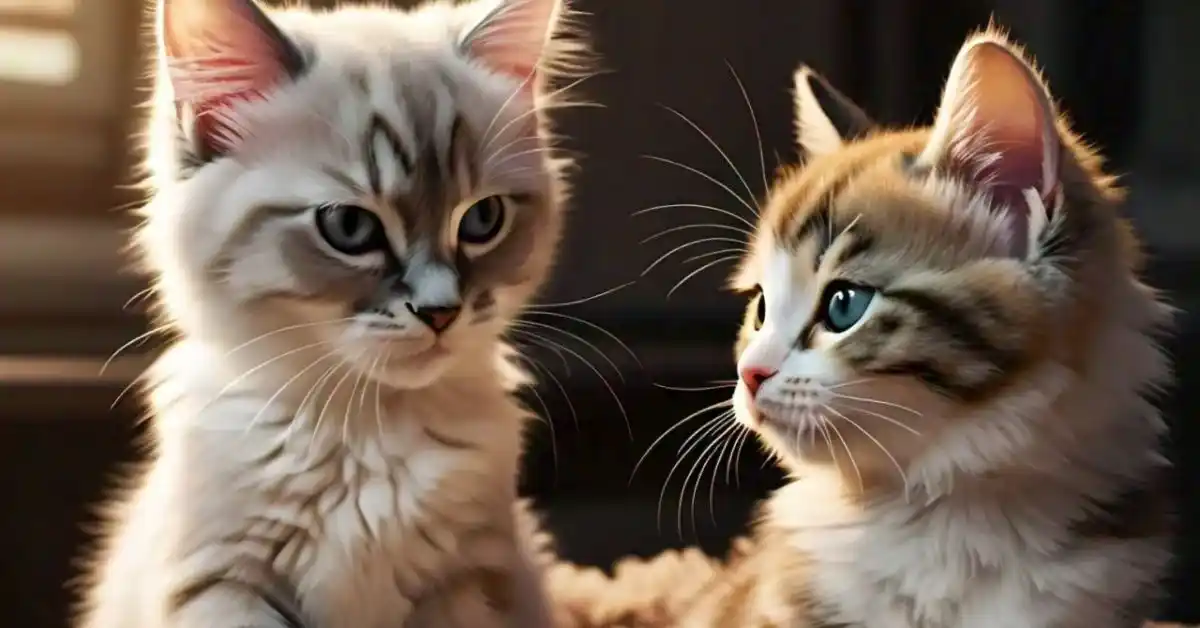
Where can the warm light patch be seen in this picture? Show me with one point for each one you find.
(38, 7)
(41, 57)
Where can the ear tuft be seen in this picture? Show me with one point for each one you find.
(825, 118)
(513, 37)
(219, 53)
(997, 127)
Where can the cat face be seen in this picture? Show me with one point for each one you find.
(372, 179)
(925, 293)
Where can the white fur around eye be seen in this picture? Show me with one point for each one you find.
(475, 250)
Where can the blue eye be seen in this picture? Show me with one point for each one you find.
(482, 222)
(844, 304)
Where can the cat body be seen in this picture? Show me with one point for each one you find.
(949, 349)
(349, 209)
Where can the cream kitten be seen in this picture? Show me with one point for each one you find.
(350, 208)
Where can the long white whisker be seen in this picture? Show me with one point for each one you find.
(543, 306)
(695, 388)
(727, 437)
(714, 144)
(237, 380)
(706, 255)
(889, 419)
(710, 426)
(275, 332)
(700, 270)
(685, 245)
(899, 469)
(706, 176)
(882, 403)
(570, 406)
(609, 334)
(723, 212)
(849, 454)
(529, 112)
(701, 464)
(279, 391)
(762, 160)
(707, 225)
(541, 341)
(675, 426)
(576, 337)
(140, 338)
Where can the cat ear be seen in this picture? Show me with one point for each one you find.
(996, 126)
(218, 53)
(825, 118)
(513, 36)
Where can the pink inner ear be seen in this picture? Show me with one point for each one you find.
(996, 125)
(221, 53)
(512, 39)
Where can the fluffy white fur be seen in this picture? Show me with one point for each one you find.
(302, 458)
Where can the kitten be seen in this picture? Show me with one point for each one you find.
(949, 348)
(350, 208)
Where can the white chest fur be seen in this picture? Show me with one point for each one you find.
(967, 568)
(362, 514)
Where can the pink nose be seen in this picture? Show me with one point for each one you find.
(754, 376)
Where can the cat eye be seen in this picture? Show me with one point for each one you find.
(482, 222)
(844, 304)
(760, 310)
(350, 229)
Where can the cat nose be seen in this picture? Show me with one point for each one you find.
(754, 377)
(438, 318)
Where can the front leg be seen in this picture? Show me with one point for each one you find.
(225, 602)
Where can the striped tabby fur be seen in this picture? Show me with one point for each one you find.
(350, 207)
(949, 348)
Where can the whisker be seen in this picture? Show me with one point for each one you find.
(550, 424)
(543, 342)
(724, 212)
(485, 137)
(698, 434)
(140, 338)
(899, 469)
(532, 111)
(708, 225)
(603, 356)
(714, 144)
(880, 402)
(701, 463)
(281, 330)
(762, 160)
(709, 427)
(592, 325)
(603, 380)
(586, 299)
(675, 426)
(849, 454)
(850, 383)
(237, 380)
(547, 372)
(312, 390)
(736, 458)
(706, 176)
(378, 400)
(700, 256)
(685, 245)
(329, 399)
(695, 388)
(728, 437)
(889, 419)
(289, 382)
(700, 270)
(822, 425)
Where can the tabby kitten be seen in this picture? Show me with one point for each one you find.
(350, 207)
(949, 348)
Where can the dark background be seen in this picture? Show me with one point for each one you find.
(1125, 70)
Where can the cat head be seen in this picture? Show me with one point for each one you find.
(942, 299)
(376, 182)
